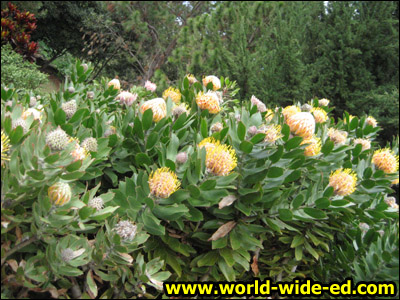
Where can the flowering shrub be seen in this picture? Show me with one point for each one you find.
(107, 200)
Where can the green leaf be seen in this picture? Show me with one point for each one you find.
(91, 284)
(322, 202)
(152, 224)
(257, 138)
(298, 201)
(241, 131)
(228, 272)
(311, 250)
(328, 192)
(209, 259)
(315, 213)
(104, 213)
(298, 253)
(246, 147)
(274, 158)
(74, 166)
(293, 143)
(285, 214)
(204, 128)
(194, 191)
(142, 159)
(297, 241)
(16, 135)
(327, 147)
(296, 174)
(151, 140)
(275, 172)
(228, 256)
(179, 122)
(59, 116)
(354, 123)
(72, 176)
(147, 119)
(208, 185)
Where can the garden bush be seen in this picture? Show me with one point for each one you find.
(109, 193)
(18, 72)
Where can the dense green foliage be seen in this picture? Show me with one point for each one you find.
(18, 72)
(283, 218)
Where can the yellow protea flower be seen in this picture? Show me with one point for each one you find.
(269, 115)
(60, 193)
(323, 102)
(191, 78)
(320, 114)
(215, 81)
(337, 136)
(175, 95)
(272, 133)
(366, 144)
(289, 111)
(208, 101)
(302, 124)
(386, 160)
(396, 181)
(220, 159)
(158, 107)
(5, 146)
(314, 146)
(343, 181)
(115, 83)
(163, 182)
(372, 121)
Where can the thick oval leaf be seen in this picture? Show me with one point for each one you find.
(285, 214)
(246, 146)
(315, 213)
(241, 131)
(275, 172)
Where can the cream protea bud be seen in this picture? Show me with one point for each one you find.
(71, 90)
(289, 111)
(126, 230)
(191, 78)
(9, 103)
(252, 130)
(90, 144)
(260, 106)
(67, 254)
(364, 227)
(181, 158)
(386, 160)
(39, 97)
(306, 107)
(69, 108)
(215, 81)
(163, 183)
(237, 117)
(381, 232)
(85, 67)
(150, 86)
(314, 146)
(32, 101)
(208, 101)
(174, 94)
(220, 159)
(272, 133)
(269, 115)
(337, 136)
(59, 193)
(115, 83)
(96, 203)
(178, 110)
(391, 202)
(366, 144)
(158, 106)
(126, 98)
(20, 122)
(111, 130)
(323, 102)
(371, 121)
(343, 181)
(90, 95)
(217, 127)
(302, 124)
(37, 115)
(57, 139)
(320, 114)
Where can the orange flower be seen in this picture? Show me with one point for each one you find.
(320, 115)
(174, 94)
(158, 107)
(314, 146)
(337, 136)
(272, 133)
(208, 101)
(372, 121)
(215, 81)
(163, 182)
(302, 124)
(385, 160)
(343, 181)
(289, 111)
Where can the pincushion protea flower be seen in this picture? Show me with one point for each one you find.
(174, 94)
(323, 102)
(90, 144)
(79, 153)
(337, 136)
(163, 182)
(366, 144)
(208, 101)
(5, 146)
(260, 106)
(272, 133)
(372, 121)
(60, 193)
(386, 160)
(180, 109)
(314, 146)
(343, 181)
(57, 139)
(215, 81)
(302, 124)
(158, 107)
(391, 201)
(115, 83)
(181, 158)
(220, 159)
(191, 78)
(269, 115)
(320, 114)
(126, 230)
(97, 203)
(289, 111)
(126, 98)
(216, 127)
(150, 86)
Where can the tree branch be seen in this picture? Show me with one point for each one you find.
(18, 247)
